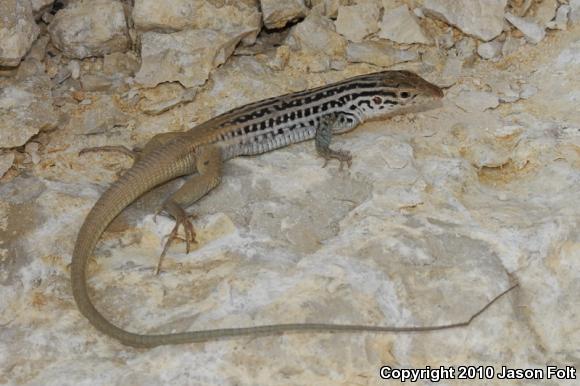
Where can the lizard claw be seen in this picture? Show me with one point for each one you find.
(342, 156)
(189, 238)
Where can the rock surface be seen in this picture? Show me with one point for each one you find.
(532, 31)
(355, 22)
(26, 109)
(277, 13)
(401, 26)
(480, 18)
(90, 28)
(186, 57)
(380, 53)
(440, 211)
(17, 31)
(230, 17)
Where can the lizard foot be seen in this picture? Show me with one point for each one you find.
(181, 219)
(343, 156)
(120, 149)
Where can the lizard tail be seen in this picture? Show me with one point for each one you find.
(155, 169)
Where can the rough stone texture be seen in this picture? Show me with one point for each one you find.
(532, 31)
(489, 50)
(327, 8)
(41, 6)
(6, 161)
(17, 31)
(230, 16)
(355, 22)
(26, 109)
(277, 14)
(561, 19)
(401, 26)
(90, 28)
(545, 12)
(439, 213)
(318, 42)
(187, 56)
(476, 101)
(380, 53)
(574, 11)
(480, 18)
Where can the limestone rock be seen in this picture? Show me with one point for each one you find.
(380, 53)
(328, 8)
(18, 31)
(126, 63)
(316, 34)
(545, 12)
(26, 109)
(561, 19)
(480, 18)
(187, 56)
(355, 22)
(401, 26)
(278, 13)
(6, 161)
(230, 16)
(476, 101)
(533, 32)
(489, 50)
(90, 28)
(99, 117)
(41, 6)
(164, 97)
(575, 11)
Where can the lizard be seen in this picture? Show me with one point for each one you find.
(317, 113)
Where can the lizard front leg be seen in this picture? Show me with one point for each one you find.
(209, 172)
(323, 138)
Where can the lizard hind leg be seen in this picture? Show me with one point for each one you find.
(209, 168)
(136, 153)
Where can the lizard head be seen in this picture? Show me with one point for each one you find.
(398, 92)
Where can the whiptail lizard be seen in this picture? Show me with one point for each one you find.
(255, 128)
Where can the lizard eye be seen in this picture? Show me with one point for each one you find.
(377, 100)
(405, 94)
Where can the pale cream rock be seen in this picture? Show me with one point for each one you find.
(276, 14)
(41, 6)
(380, 53)
(18, 31)
(545, 12)
(511, 45)
(125, 63)
(90, 28)
(355, 22)
(75, 69)
(490, 50)
(401, 26)
(26, 109)
(99, 117)
(6, 161)
(476, 101)
(327, 8)
(533, 32)
(561, 20)
(187, 56)
(164, 97)
(317, 34)
(229, 16)
(316, 38)
(574, 11)
(480, 18)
